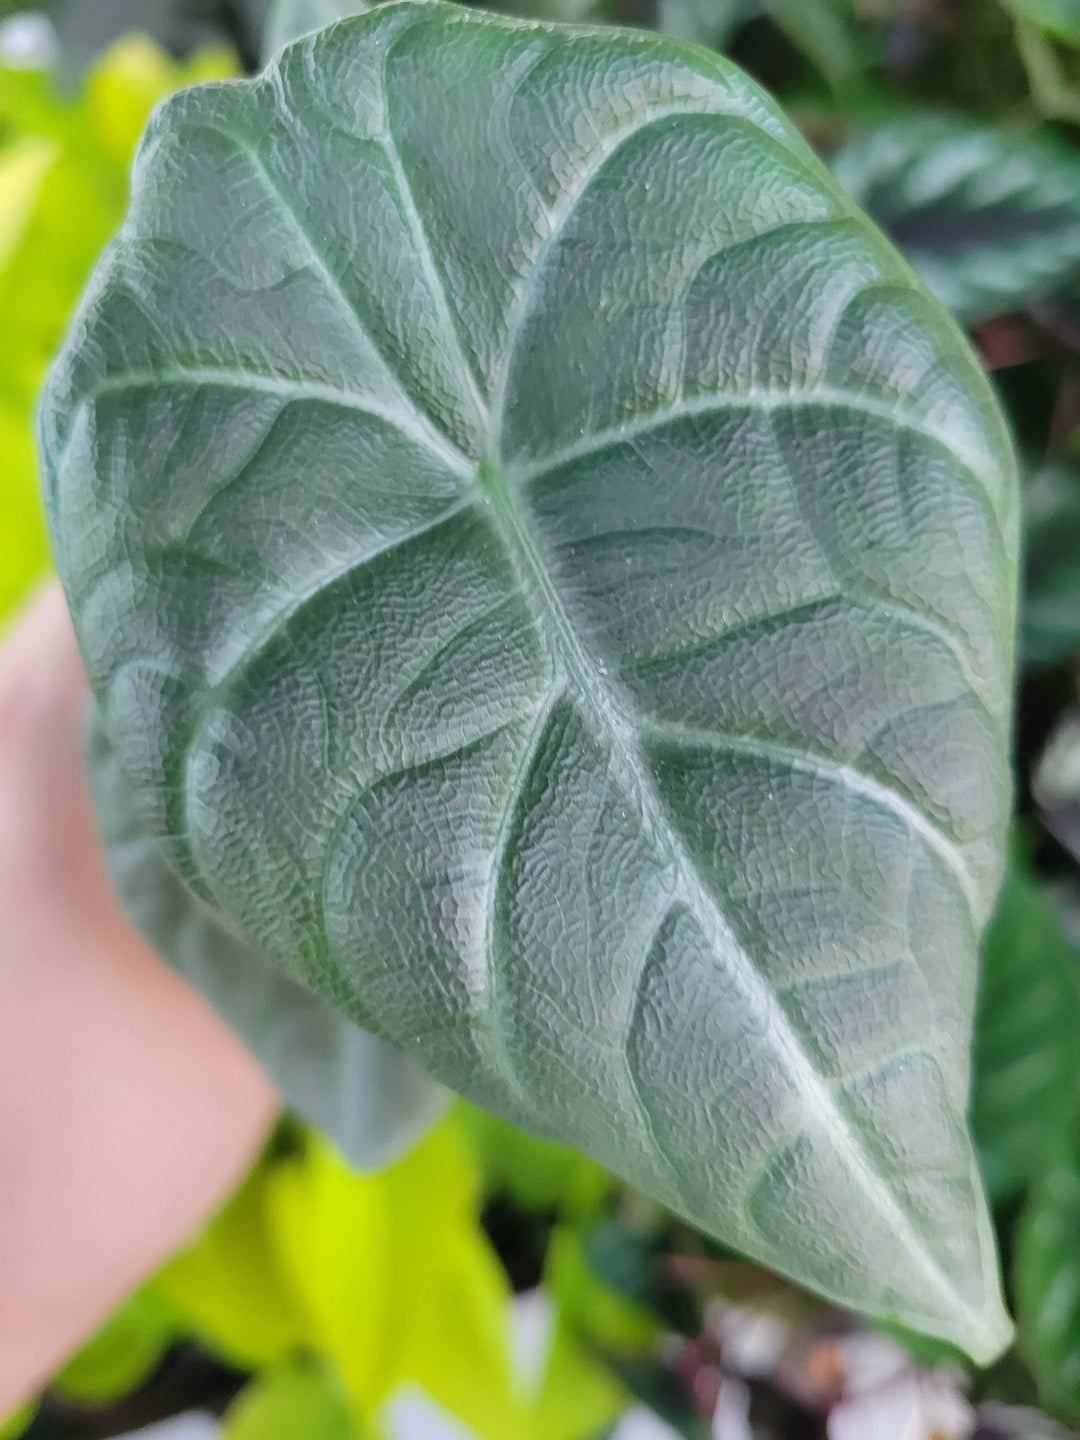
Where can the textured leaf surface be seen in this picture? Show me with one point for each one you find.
(371, 1098)
(988, 219)
(548, 573)
(1027, 1039)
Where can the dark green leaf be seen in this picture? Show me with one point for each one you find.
(987, 218)
(372, 1099)
(1047, 1281)
(825, 32)
(549, 573)
(708, 22)
(1050, 609)
(1053, 71)
(1059, 17)
(1027, 1038)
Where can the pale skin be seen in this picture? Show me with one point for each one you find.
(127, 1110)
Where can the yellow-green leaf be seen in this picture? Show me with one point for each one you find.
(226, 1288)
(298, 1401)
(397, 1279)
(18, 1421)
(122, 1355)
(63, 186)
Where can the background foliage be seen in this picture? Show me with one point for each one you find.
(487, 1276)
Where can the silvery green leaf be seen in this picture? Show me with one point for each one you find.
(549, 573)
(369, 1097)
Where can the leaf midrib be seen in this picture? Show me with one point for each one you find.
(611, 722)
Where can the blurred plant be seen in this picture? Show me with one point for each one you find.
(63, 185)
(322, 1295)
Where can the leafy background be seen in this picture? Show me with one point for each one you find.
(489, 1284)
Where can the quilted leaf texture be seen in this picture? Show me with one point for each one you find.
(374, 1100)
(547, 569)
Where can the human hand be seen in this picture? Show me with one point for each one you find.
(127, 1108)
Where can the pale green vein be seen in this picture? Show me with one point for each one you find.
(835, 772)
(285, 388)
(604, 710)
(756, 400)
(419, 421)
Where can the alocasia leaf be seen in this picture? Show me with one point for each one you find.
(548, 572)
(372, 1098)
(987, 218)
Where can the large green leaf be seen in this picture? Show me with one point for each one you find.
(987, 218)
(1027, 1051)
(372, 1098)
(549, 574)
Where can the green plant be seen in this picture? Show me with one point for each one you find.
(558, 706)
(979, 197)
